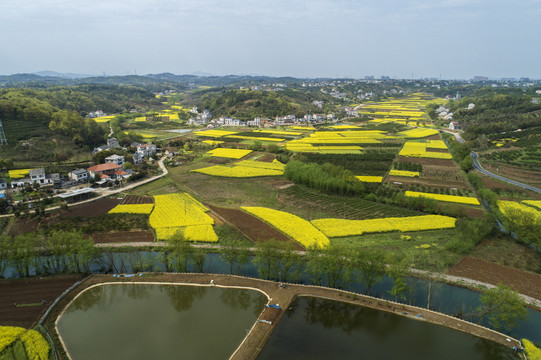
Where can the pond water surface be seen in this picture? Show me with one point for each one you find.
(132, 321)
(316, 329)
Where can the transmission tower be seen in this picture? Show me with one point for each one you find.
(3, 139)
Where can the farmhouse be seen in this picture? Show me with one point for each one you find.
(146, 149)
(3, 184)
(453, 125)
(78, 175)
(37, 176)
(104, 170)
(115, 159)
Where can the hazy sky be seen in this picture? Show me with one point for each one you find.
(301, 38)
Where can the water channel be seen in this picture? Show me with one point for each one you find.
(130, 321)
(446, 298)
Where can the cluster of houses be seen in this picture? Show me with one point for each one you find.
(141, 150)
(111, 170)
(265, 122)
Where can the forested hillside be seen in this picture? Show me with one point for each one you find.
(247, 104)
(496, 114)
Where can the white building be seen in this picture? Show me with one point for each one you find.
(78, 175)
(115, 159)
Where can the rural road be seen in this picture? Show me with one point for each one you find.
(477, 166)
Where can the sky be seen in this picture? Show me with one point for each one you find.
(451, 39)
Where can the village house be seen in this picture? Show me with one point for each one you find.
(115, 159)
(113, 143)
(3, 184)
(79, 175)
(453, 125)
(147, 150)
(104, 170)
(37, 176)
(137, 158)
(100, 148)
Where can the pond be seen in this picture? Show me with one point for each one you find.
(315, 329)
(449, 299)
(133, 321)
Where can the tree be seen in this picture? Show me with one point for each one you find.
(503, 307)
(397, 271)
(266, 257)
(334, 264)
(235, 254)
(5, 244)
(371, 265)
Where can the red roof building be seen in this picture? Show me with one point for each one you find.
(103, 169)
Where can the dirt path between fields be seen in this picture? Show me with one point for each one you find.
(283, 296)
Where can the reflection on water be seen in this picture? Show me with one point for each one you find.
(323, 329)
(133, 321)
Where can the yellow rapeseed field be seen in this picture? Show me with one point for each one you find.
(238, 171)
(419, 133)
(36, 347)
(175, 212)
(447, 198)
(293, 226)
(405, 173)
(214, 133)
(418, 149)
(369, 179)
(341, 227)
(533, 203)
(17, 174)
(532, 351)
(242, 137)
(520, 214)
(280, 132)
(229, 153)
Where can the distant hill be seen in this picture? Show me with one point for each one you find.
(62, 75)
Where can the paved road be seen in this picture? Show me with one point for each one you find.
(482, 170)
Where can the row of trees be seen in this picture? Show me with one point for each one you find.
(326, 178)
(338, 267)
(61, 251)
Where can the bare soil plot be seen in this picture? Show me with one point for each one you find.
(426, 182)
(522, 281)
(94, 208)
(30, 291)
(529, 177)
(267, 158)
(427, 161)
(22, 226)
(123, 237)
(137, 199)
(280, 183)
(252, 227)
(509, 253)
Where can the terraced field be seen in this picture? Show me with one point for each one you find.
(321, 205)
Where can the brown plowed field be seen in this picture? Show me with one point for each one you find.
(427, 182)
(524, 282)
(427, 161)
(94, 208)
(267, 158)
(30, 291)
(251, 226)
(137, 199)
(22, 226)
(123, 237)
